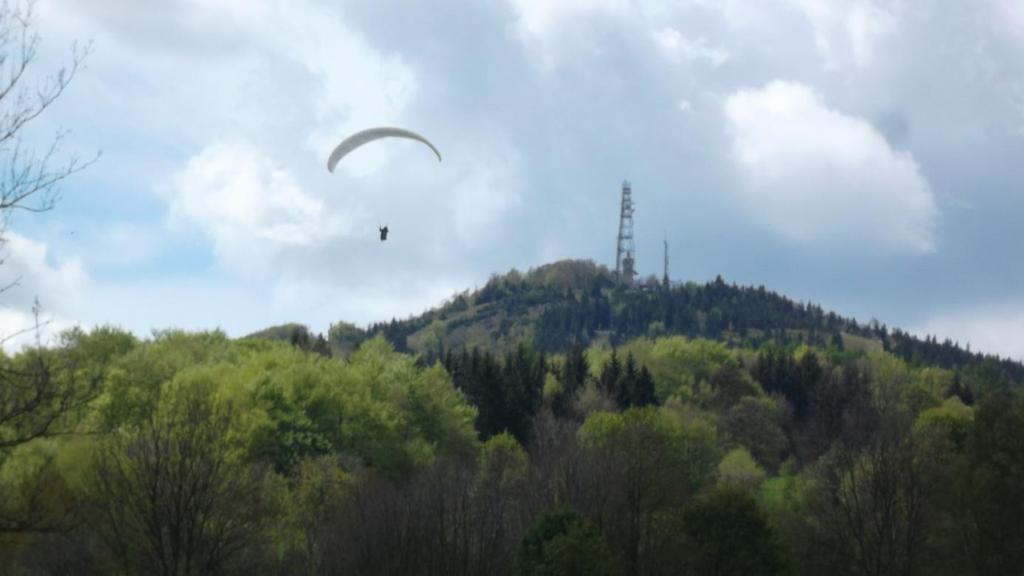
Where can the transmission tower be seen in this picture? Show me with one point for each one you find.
(625, 250)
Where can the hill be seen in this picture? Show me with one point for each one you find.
(573, 301)
(306, 454)
(294, 334)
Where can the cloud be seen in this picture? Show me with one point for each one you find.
(993, 329)
(249, 207)
(30, 273)
(485, 193)
(678, 49)
(552, 31)
(816, 175)
(1010, 13)
(540, 17)
(282, 70)
(385, 298)
(558, 33)
(540, 107)
(849, 29)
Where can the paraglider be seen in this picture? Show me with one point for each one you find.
(359, 138)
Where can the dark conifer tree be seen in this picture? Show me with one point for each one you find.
(576, 368)
(573, 377)
(960, 390)
(837, 340)
(808, 376)
(626, 385)
(610, 375)
(643, 394)
(522, 381)
(321, 347)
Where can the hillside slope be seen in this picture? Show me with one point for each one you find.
(574, 301)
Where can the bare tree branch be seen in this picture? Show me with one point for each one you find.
(30, 181)
(41, 388)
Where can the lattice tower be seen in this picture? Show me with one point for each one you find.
(625, 250)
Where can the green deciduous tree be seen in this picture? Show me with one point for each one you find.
(562, 543)
(739, 470)
(994, 527)
(643, 463)
(727, 534)
(865, 510)
(758, 423)
(173, 497)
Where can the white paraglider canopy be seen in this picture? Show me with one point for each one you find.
(359, 138)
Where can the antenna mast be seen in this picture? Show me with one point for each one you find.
(664, 278)
(625, 250)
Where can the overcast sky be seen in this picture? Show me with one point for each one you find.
(866, 155)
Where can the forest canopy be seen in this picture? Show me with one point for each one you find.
(662, 455)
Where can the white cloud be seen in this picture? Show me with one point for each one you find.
(849, 28)
(1010, 13)
(555, 32)
(483, 195)
(529, 155)
(1016, 99)
(540, 18)
(191, 302)
(251, 208)
(385, 297)
(552, 30)
(816, 175)
(288, 69)
(679, 49)
(997, 329)
(867, 24)
(31, 273)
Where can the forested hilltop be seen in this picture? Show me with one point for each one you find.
(578, 302)
(625, 450)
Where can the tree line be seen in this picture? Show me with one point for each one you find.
(195, 453)
(572, 302)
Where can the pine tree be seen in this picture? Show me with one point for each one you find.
(321, 347)
(573, 377)
(574, 372)
(522, 382)
(837, 340)
(961, 391)
(626, 385)
(610, 375)
(643, 394)
(809, 374)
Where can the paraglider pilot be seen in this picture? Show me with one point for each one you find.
(383, 233)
